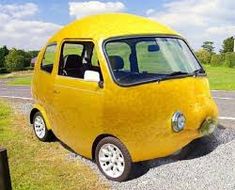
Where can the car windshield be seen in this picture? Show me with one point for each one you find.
(146, 59)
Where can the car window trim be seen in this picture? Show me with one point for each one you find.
(48, 45)
(75, 40)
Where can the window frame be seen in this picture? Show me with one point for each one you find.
(42, 68)
(61, 56)
(76, 41)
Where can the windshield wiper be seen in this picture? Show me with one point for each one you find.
(198, 71)
(178, 73)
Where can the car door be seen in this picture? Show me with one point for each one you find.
(77, 103)
(44, 77)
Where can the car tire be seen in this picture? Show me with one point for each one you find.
(40, 128)
(113, 159)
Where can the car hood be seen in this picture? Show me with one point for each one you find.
(153, 104)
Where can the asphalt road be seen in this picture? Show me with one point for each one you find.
(226, 104)
(14, 92)
(224, 99)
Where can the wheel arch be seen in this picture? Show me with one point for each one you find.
(97, 140)
(38, 108)
(32, 113)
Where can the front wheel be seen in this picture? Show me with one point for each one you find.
(113, 159)
(40, 128)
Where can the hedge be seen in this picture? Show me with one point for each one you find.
(217, 60)
(230, 59)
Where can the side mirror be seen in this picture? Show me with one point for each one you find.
(153, 48)
(92, 76)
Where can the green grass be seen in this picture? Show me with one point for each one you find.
(221, 78)
(21, 78)
(20, 81)
(4, 121)
(40, 166)
(16, 74)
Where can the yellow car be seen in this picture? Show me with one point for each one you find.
(118, 89)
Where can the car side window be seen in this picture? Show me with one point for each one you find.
(72, 48)
(49, 58)
(76, 58)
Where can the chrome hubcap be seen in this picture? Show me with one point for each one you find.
(111, 160)
(39, 127)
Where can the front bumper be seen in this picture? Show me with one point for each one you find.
(208, 126)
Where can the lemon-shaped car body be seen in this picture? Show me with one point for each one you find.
(120, 88)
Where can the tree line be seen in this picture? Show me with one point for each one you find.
(15, 59)
(226, 55)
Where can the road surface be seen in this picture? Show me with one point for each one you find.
(224, 99)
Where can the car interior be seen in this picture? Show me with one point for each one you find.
(75, 65)
(120, 74)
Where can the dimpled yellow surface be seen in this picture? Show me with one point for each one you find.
(139, 116)
(109, 25)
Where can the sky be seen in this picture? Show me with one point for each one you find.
(27, 24)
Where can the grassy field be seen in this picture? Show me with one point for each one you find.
(16, 74)
(40, 166)
(22, 78)
(20, 81)
(221, 78)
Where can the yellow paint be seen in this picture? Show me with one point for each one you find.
(140, 116)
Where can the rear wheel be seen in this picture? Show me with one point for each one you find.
(40, 128)
(113, 159)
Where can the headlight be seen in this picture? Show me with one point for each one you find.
(178, 122)
(208, 126)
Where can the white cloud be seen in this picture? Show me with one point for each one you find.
(19, 11)
(199, 20)
(81, 9)
(219, 31)
(17, 29)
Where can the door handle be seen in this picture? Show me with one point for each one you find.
(56, 92)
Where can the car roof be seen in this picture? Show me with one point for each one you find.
(103, 26)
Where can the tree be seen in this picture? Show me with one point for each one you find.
(203, 56)
(33, 53)
(230, 59)
(15, 60)
(217, 59)
(228, 45)
(3, 52)
(2, 57)
(208, 46)
(28, 56)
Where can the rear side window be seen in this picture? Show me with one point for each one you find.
(49, 58)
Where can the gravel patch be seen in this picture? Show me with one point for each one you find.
(22, 106)
(209, 165)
